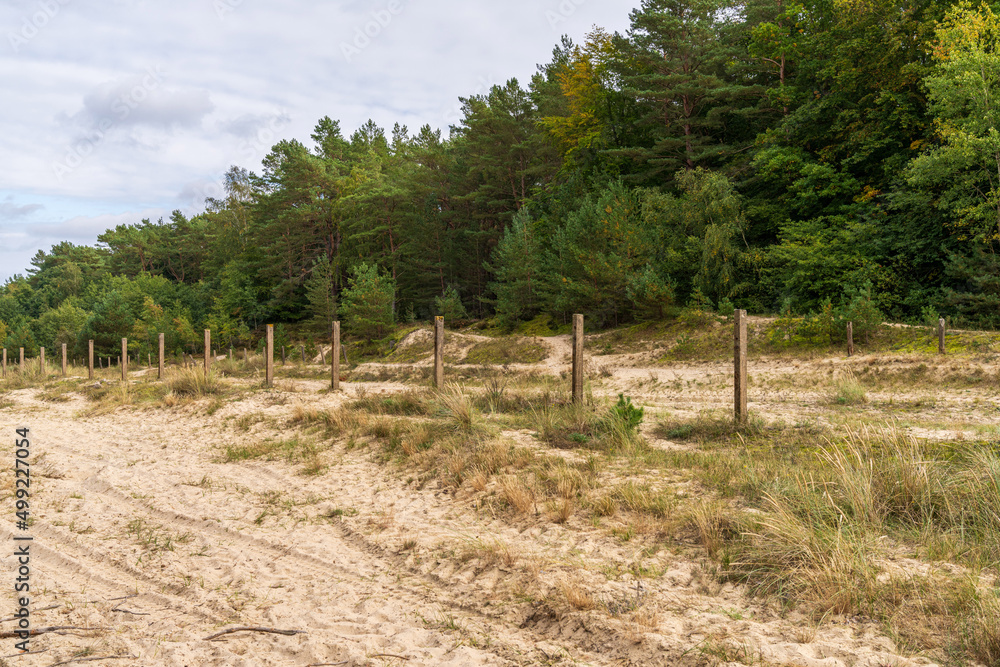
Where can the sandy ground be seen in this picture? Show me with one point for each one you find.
(146, 543)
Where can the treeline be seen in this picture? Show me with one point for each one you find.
(773, 156)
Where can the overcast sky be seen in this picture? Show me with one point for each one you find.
(119, 110)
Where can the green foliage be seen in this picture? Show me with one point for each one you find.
(649, 293)
(321, 291)
(828, 325)
(517, 266)
(860, 307)
(450, 305)
(627, 414)
(599, 262)
(111, 320)
(961, 91)
(929, 317)
(61, 325)
(367, 303)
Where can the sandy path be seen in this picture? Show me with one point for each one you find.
(373, 567)
(113, 484)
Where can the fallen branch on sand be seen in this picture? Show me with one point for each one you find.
(14, 618)
(255, 629)
(97, 657)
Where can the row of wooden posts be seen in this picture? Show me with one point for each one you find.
(740, 359)
(336, 351)
(739, 356)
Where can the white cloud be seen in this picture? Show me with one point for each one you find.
(142, 99)
(9, 210)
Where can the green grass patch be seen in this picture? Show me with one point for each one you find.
(501, 351)
(293, 450)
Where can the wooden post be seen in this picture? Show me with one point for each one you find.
(245, 356)
(231, 357)
(302, 349)
(269, 361)
(5, 362)
(159, 368)
(282, 355)
(335, 358)
(41, 361)
(124, 360)
(439, 352)
(322, 355)
(21, 365)
(64, 359)
(740, 366)
(850, 339)
(208, 350)
(578, 358)
(941, 336)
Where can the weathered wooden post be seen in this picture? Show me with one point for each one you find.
(5, 362)
(208, 349)
(335, 358)
(439, 352)
(282, 355)
(21, 364)
(578, 358)
(302, 349)
(231, 357)
(41, 360)
(322, 355)
(740, 366)
(850, 339)
(269, 363)
(941, 335)
(124, 360)
(64, 359)
(245, 354)
(159, 367)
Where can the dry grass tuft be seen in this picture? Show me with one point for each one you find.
(195, 383)
(564, 510)
(493, 551)
(604, 506)
(848, 390)
(711, 519)
(457, 405)
(576, 596)
(517, 494)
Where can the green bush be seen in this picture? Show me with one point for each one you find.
(627, 414)
(366, 304)
(449, 306)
